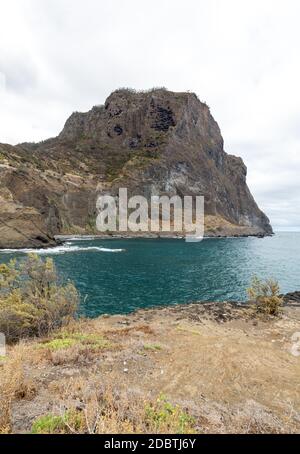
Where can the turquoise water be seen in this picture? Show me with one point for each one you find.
(119, 276)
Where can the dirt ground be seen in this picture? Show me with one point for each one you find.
(232, 371)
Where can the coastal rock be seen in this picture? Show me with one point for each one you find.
(292, 298)
(155, 142)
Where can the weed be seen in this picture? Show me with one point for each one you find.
(48, 424)
(165, 417)
(58, 344)
(152, 347)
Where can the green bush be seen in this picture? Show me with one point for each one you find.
(32, 300)
(163, 417)
(70, 422)
(48, 424)
(266, 295)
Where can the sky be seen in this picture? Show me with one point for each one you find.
(239, 56)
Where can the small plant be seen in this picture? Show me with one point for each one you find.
(163, 417)
(48, 424)
(70, 422)
(65, 340)
(266, 295)
(152, 347)
(58, 344)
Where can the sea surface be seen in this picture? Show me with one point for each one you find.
(120, 276)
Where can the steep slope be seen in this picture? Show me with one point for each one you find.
(155, 142)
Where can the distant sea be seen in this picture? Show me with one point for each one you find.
(120, 276)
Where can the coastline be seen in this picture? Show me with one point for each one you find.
(60, 240)
(150, 236)
(16, 240)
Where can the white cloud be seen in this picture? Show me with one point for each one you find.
(242, 58)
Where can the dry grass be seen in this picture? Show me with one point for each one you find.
(97, 376)
(94, 409)
(13, 385)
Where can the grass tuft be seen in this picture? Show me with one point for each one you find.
(48, 424)
(152, 347)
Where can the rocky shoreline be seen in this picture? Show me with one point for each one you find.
(129, 236)
(59, 240)
(219, 311)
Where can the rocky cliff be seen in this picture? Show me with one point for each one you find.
(155, 142)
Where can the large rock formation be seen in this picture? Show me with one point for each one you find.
(155, 142)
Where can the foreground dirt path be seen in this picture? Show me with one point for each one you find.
(232, 372)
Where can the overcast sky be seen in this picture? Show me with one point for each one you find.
(240, 56)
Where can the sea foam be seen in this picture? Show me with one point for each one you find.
(63, 249)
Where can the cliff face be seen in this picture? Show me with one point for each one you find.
(158, 142)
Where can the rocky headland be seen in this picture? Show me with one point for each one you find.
(154, 143)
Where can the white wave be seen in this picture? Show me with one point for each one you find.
(104, 249)
(77, 238)
(60, 250)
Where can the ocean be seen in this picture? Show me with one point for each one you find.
(121, 275)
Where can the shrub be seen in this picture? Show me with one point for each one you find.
(48, 424)
(32, 300)
(266, 294)
(163, 417)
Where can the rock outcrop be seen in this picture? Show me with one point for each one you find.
(155, 142)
